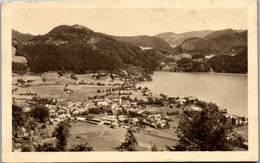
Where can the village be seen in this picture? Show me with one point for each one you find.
(111, 104)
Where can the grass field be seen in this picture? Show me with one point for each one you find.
(104, 138)
(242, 131)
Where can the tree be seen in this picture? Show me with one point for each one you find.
(40, 113)
(152, 147)
(62, 133)
(20, 81)
(205, 131)
(60, 73)
(130, 142)
(18, 117)
(45, 147)
(81, 147)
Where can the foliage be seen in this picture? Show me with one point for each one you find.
(20, 81)
(26, 148)
(18, 117)
(220, 63)
(45, 147)
(130, 142)
(96, 110)
(81, 147)
(105, 54)
(238, 141)
(230, 64)
(62, 133)
(19, 68)
(196, 56)
(40, 113)
(47, 100)
(205, 131)
(153, 147)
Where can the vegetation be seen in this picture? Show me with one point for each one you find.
(230, 64)
(81, 147)
(18, 117)
(221, 63)
(40, 113)
(219, 42)
(67, 53)
(62, 133)
(205, 131)
(46, 147)
(130, 142)
(19, 68)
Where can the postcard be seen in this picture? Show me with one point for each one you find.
(129, 80)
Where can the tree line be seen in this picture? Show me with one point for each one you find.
(220, 63)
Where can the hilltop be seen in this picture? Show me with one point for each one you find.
(21, 37)
(219, 42)
(149, 42)
(174, 39)
(79, 49)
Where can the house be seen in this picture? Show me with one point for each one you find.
(96, 121)
(102, 103)
(134, 104)
(125, 103)
(181, 101)
(81, 119)
(224, 111)
(122, 118)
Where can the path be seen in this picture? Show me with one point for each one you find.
(101, 134)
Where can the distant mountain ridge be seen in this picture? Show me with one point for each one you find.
(176, 39)
(21, 36)
(219, 42)
(148, 42)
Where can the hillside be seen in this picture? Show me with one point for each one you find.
(21, 37)
(216, 34)
(221, 64)
(219, 42)
(161, 47)
(174, 39)
(79, 49)
(197, 45)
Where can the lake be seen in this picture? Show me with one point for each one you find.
(226, 90)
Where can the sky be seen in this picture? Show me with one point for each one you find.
(129, 21)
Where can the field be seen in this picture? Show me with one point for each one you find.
(104, 138)
(162, 109)
(242, 131)
(49, 88)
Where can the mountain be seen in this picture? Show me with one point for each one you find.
(21, 37)
(199, 34)
(197, 45)
(174, 39)
(218, 42)
(79, 49)
(148, 42)
(228, 32)
(221, 64)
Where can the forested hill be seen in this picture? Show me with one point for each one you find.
(79, 49)
(21, 37)
(221, 64)
(219, 42)
(149, 42)
(174, 39)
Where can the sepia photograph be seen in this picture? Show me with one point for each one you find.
(125, 78)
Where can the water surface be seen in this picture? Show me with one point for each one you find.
(226, 90)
